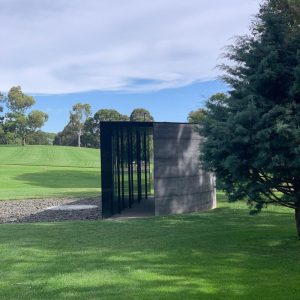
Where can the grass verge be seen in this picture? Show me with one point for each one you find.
(48, 171)
(220, 254)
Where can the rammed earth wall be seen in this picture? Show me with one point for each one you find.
(180, 185)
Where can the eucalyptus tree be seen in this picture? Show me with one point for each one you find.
(91, 136)
(140, 115)
(18, 120)
(78, 116)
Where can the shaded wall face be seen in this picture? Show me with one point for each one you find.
(179, 183)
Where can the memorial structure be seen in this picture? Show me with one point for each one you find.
(153, 161)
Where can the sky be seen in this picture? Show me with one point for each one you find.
(158, 54)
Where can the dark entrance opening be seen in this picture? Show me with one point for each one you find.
(126, 164)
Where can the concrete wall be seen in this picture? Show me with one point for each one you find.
(179, 184)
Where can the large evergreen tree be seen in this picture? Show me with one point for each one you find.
(253, 135)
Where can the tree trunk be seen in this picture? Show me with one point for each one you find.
(79, 137)
(23, 141)
(297, 218)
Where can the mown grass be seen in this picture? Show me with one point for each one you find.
(56, 156)
(221, 254)
(48, 171)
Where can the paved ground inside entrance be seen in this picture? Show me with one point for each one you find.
(144, 209)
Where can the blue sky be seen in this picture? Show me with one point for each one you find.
(172, 105)
(158, 54)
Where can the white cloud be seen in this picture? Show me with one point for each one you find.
(63, 46)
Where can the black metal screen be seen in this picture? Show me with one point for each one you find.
(126, 164)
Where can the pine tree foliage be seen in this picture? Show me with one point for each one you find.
(253, 134)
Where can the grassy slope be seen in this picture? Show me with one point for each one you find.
(221, 254)
(48, 171)
(50, 156)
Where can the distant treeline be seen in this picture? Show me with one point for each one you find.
(19, 124)
(83, 128)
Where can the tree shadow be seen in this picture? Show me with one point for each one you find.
(62, 179)
(220, 254)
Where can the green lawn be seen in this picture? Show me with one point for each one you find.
(221, 254)
(57, 156)
(48, 171)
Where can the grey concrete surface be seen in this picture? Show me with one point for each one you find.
(144, 209)
(179, 183)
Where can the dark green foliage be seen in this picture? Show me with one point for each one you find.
(1, 102)
(2, 133)
(36, 120)
(17, 101)
(91, 129)
(196, 116)
(17, 123)
(73, 131)
(91, 136)
(141, 115)
(67, 137)
(252, 136)
(79, 114)
(40, 138)
(109, 115)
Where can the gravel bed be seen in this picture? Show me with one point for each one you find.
(35, 210)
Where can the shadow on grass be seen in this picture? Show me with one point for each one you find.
(62, 179)
(222, 254)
